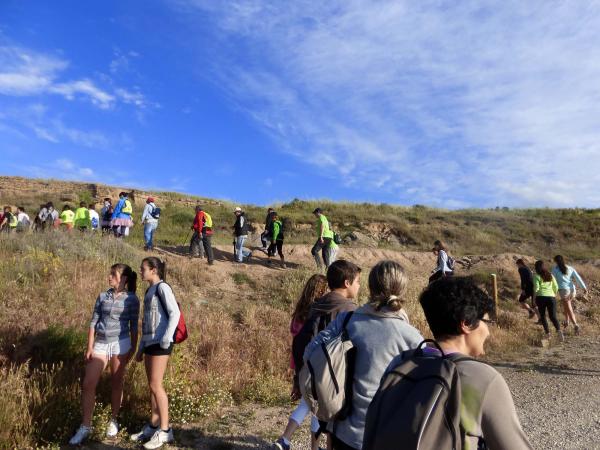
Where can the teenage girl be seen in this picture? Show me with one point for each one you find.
(112, 339)
(544, 295)
(161, 315)
(566, 277)
(315, 288)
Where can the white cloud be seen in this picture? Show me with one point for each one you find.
(491, 103)
(27, 73)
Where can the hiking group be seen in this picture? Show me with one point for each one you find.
(369, 380)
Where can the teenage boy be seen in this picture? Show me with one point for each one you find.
(526, 287)
(343, 279)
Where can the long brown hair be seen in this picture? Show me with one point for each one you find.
(560, 262)
(125, 271)
(315, 288)
(540, 269)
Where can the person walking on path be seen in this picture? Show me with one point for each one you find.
(121, 216)
(544, 294)
(150, 217)
(240, 232)
(201, 244)
(324, 239)
(82, 220)
(526, 288)
(443, 267)
(112, 340)
(207, 232)
(67, 216)
(94, 217)
(566, 277)
(160, 319)
(315, 288)
(276, 240)
(23, 220)
(458, 314)
(106, 216)
(379, 330)
(265, 237)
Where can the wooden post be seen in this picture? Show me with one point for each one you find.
(495, 293)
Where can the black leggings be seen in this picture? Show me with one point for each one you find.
(338, 444)
(548, 303)
(278, 245)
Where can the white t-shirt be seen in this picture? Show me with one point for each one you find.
(94, 215)
(22, 216)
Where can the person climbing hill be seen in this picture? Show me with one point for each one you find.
(526, 287)
(324, 239)
(121, 216)
(276, 239)
(445, 264)
(82, 220)
(566, 277)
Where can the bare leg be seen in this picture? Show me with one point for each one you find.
(93, 371)
(154, 416)
(291, 427)
(568, 309)
(118, 366)
(157, 366)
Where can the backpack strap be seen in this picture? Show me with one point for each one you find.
(160, 299)
(347, 319)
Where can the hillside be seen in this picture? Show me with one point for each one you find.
(539, 232)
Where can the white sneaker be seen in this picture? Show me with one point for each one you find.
(160, 437)
(81, 435)
(112, 429)
(146, 433)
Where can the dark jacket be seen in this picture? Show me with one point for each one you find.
(241, 225)
(526, 279)
(322, 312)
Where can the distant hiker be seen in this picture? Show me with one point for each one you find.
(39, 222)
(324, 239)
(106, 216)
(121, 216)
(67, 216)
(379, 330)
(445, 263)
(265, 237)
(410, 409)
(94, 217)
(526, 287)
(544, 294)
(112, 340)
(53, 218)
(23, 221)
(276, 239)
(160, 319)
(315, 288)
(240, 233)
(201, 244)
(9, 220)
(82, 221)
(150, 218)
(566, 277)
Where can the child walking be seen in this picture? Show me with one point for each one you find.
(315, 288)
(112, 339)
(161, 315)
(121, 216)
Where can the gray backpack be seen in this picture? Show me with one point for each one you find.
(326, 377)
(417, 404)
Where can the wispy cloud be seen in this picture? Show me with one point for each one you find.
(459, 103)
(62, 168)
(24, 72)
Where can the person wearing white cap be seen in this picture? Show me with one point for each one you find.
(240, 231)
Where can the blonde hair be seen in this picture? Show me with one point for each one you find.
(387, 285)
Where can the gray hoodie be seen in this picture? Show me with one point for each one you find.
(378, 337)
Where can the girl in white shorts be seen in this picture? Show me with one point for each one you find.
(566, 278)
(112, 340)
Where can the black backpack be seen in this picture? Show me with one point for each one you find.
(418, 404)
(155, 212)
(108, 214)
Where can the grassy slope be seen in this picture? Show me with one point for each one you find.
(544, 232)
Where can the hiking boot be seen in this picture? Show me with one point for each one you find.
(146, 433)
(112, 429)
(81, 435)
(159, 438)
(280, 445)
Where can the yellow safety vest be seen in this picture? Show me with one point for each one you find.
(127, 209)
(207, 220)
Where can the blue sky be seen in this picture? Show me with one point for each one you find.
(451, 104)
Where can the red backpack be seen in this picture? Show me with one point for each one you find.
(181, 333)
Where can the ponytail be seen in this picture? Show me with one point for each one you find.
(156, 263)
(560, 262)
(125, 271)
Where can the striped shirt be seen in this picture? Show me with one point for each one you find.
(115, 316)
